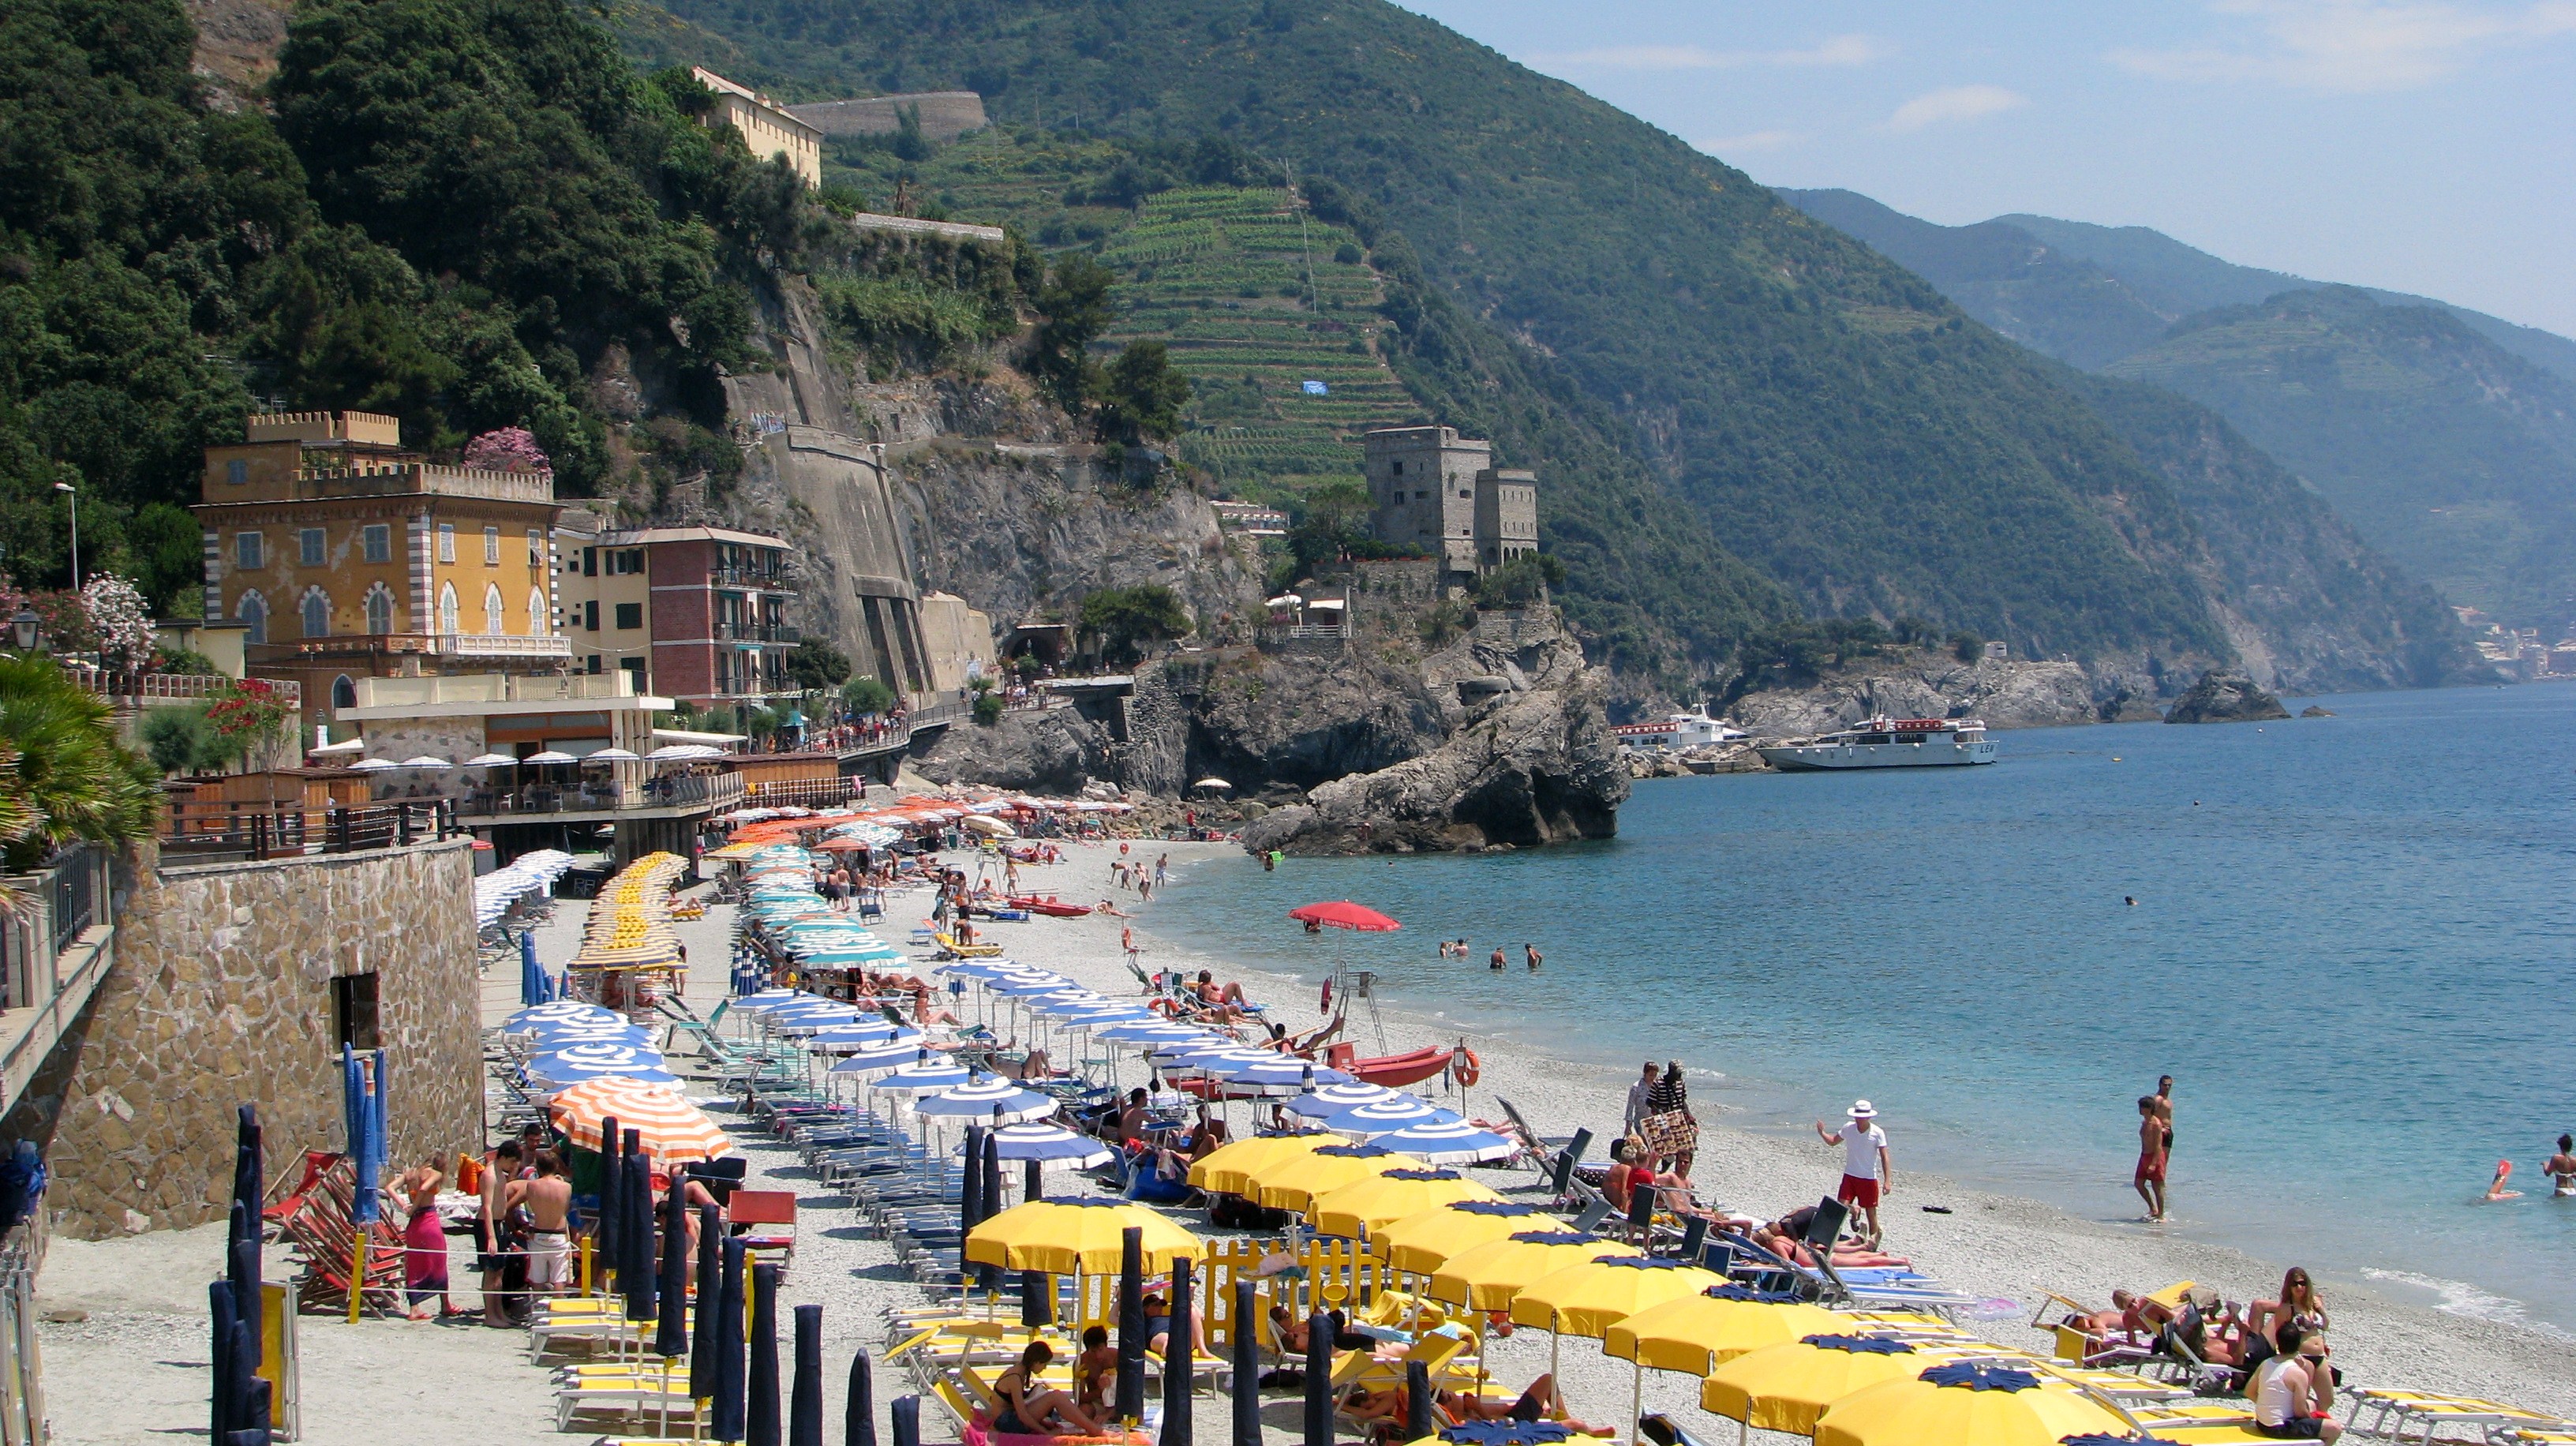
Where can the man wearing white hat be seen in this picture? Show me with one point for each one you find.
(1866, 1175)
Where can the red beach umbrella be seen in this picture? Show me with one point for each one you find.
(1343, 914)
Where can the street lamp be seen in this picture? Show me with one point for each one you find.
(74, 492)
(24, 624)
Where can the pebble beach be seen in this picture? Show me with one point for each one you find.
(130, 1369)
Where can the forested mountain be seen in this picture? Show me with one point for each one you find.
(2440, 433)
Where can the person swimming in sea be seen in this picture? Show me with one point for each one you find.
(2495, 1187)
(2561, 1169)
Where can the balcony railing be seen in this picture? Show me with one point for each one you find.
(70, 894)
(759, 633)
(203, 830)
(719, 791)
(503, 645)
(178, 687)
(772, 578)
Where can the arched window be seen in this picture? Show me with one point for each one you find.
(493, 621)
(537, 610)
(317, 613)
(380, 609)
(447, 608)
(344, 694)
(253, 609)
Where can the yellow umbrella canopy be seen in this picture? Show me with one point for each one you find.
(1992, 1405)
(1061, 1237)
(1695, 1332)
(1360, 1207)
(1588, 1298)
(1489, 1275)
(1224, 1170)
(1293, 1181)
(1422, 1243)
(1786, 1387)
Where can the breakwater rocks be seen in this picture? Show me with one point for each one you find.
(2225, 697)
(1927, 683)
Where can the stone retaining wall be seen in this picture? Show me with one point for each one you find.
(221, 994)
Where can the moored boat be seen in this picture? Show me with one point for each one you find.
(1886, 743)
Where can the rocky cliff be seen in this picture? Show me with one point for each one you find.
(1926, 683)
(2225, 697)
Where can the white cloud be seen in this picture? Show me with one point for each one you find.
(1957, 103)
(1749, 142)
(2357, 45)
(1840, 50)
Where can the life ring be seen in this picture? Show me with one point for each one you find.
(1165, 1008)
(1464, 1067)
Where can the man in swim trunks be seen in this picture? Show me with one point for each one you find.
(2164, 1107)
(1867, 1177)
(2150, 1176)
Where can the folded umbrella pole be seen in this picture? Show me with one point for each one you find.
(1178, 1366)
(1247, 1364)
(760, 1416)
(805, 1396)
(859, 1417)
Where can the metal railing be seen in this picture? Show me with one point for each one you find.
(22, 1372)
(679, 791)
(759, 633)
(198, 832)
(68, 895)
(760, 577)
(802, 792)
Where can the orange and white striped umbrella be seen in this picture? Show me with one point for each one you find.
(673, 1131)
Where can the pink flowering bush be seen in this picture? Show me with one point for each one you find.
(510, 449)
(120, 624)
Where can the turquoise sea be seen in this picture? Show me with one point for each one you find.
(2351, 945)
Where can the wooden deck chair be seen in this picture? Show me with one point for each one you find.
(765, 1220)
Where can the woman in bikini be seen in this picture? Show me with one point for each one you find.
(2561, 1168)
(424, 1240)
(1026, 1410)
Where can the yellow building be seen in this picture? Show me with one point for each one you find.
(344, 556)
(765, 125)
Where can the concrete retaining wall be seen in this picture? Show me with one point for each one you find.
(221, 994)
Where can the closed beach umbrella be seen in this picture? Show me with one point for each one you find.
(1226, 1169)
(671, 1335)
(1177, 1365)
(1488, 1276)
(643, 1292)
(760, 1411)
(1293, 1183)
(805, 1395)
(1131, 1318)
(1786, 1387)
(607, 1252)
(1356, 1209)
(725, 1420)
(1418, 1419)
(703, 1352)
(1455, 1142)
(1247, 1363)
(1062, 1237)
(670, 1129)
(1696, 1332)
(1319, 1379)
(970, 1183)
(1964, 1401)
(1420, 1244)
(859, 1414)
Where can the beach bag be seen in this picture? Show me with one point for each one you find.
(1669, 1133)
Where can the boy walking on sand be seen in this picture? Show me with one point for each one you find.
(1867, 1178)
(2150, 1177)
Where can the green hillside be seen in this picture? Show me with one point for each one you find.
(2453, 456)
(1823, 414)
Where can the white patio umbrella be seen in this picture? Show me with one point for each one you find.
(991, 1097)
(612, 755)
(1333, 1099)
(425, 761)
(372, 765)
(1457, 1142)
(549, 756)
(491, 760)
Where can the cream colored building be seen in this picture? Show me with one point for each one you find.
(765, 125)
(959, 638)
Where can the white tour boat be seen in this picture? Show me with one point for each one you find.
(1887, 743)
(1676, 731)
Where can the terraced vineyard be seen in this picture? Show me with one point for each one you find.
(1255, 300)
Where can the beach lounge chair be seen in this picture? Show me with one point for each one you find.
(1662, 1430)
(2401, 1414)
(766, 1221)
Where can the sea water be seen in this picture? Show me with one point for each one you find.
(2350, 945)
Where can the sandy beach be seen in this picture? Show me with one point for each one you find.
(133, 1370)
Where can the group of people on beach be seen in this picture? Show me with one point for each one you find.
(2276, 1347)
(522, 1227)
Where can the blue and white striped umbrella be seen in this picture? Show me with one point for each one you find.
(1046, 984)
(1053, 1144)
(843, 1038)
(1155, 1034)
(575, 1063)
(769, 999)
(797, 1025)
(551, 1037)
(1333, 1099)
(981, 968)
(1387, 1116)
(884, 1058)
(1104, 1015)
(848, 956)
(925, 1077)
(979, 1099)
(1454, 1143)
(1269, 1071)
(562, 1011)
(1190, 1054)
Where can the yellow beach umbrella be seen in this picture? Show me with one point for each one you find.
(1786, 1387)
(1224, 1169)
(1421, 1243)
(1489, 1275)
(1292, 1182)
(1359, 1208)
(1061, 1237)
(1589, 1298)
(1698, 1332)
(1991, 1405)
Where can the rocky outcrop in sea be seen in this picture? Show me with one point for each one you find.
(2225, 697)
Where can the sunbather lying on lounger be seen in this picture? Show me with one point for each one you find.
(1541, 1402)
(1776, 1238)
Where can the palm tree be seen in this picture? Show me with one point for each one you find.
(67, 778)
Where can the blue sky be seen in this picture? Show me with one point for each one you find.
(2426, 147)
